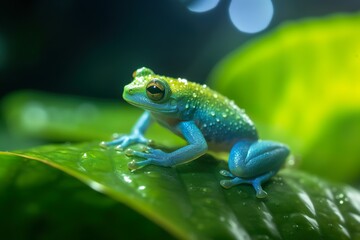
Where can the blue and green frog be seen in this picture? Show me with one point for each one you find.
(207, 120)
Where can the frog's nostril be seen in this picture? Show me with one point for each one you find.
(128, 90)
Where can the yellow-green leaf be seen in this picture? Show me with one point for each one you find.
(301, 85)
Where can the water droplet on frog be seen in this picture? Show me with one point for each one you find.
(217, 120)
(141, 187)
(84, 156)
(212, 113)
(341, 202)
(187, 106)
(204, 125)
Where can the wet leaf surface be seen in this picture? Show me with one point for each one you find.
(188, 201)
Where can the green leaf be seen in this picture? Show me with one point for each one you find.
(69, 118)
(39, 202)
(189, 202)
(300, 84)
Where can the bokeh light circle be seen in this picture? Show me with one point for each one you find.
(251, 16)
(202, 5)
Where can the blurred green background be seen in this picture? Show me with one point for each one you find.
(90, 48)
(70, 54)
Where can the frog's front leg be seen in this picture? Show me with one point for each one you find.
(136, 135)
(254, 163)
(196, 147)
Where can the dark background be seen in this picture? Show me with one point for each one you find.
(91, 48)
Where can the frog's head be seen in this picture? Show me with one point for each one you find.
(151, 92)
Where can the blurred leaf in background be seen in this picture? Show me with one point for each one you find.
(59, 118)
(301, 85)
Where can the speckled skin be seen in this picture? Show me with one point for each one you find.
(206, 120)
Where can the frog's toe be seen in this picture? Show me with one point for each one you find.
(103, 144)
(119, 148)
(133, 165)
(261, 194)
(115, 136)
(226, 173)
(226, 183)
(145, 154)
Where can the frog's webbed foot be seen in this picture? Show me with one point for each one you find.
(255, 182)
(123, 141)
(152, 156)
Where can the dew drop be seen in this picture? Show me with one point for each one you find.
(295, 226)
(126, 178)
(339, 196)
(224, 115)
(194, 95)
(212, 113)
(96, 186)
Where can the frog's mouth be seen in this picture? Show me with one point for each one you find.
(145, 104)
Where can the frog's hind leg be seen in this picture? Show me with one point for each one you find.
(254, 163)
(256, 183)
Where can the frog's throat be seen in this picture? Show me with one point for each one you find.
(155, 109)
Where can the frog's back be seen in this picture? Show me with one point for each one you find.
(220, 120)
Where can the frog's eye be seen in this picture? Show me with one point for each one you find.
(155, 90)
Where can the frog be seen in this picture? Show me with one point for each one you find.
(207, 121)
